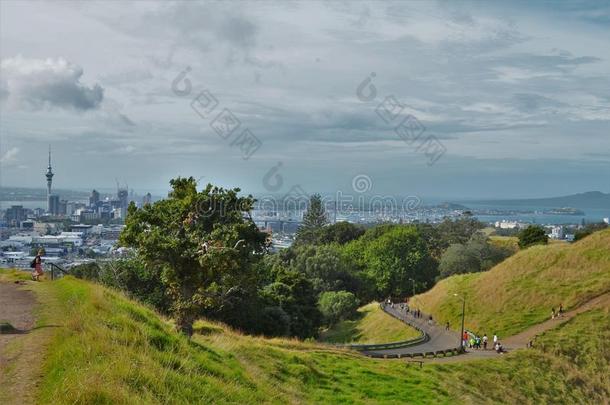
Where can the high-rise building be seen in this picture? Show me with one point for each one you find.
(123, 196)
(147, 199)
(49, 175)
(14, 215)
(94, 198)
(53, 204)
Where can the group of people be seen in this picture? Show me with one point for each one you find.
(473, 341)
(405, 307)
(557, 314)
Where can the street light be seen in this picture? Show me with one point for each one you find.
(463, 312)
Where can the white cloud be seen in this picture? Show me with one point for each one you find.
(34, 84)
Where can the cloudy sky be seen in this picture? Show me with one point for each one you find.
(501, 100)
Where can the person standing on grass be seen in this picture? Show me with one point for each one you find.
(485, 341)
(38, 266)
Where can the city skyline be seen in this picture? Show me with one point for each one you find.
(519, 105)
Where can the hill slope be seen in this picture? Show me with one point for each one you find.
(106, 349)
(372, 326)
(522, 290)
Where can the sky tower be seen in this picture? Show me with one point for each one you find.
(49, 177)
(49, 174)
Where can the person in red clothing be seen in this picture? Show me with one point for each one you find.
(38, 266)
(465, 339)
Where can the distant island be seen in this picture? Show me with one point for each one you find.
(590, 199)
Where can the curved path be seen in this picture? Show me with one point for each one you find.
(439, 338)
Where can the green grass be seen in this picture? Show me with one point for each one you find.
(111, 350)
(521, 291)
(372, 325)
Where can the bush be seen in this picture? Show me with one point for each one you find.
(532, 235)
(336, 306)
(87, 271)
(274, 321)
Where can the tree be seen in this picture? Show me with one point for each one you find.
(390, 261)
(198, 240)
(313, 220)
(341, 233)
(459, 259)
(478, 254)
(588, 230)
(532, 235)
(336, 306)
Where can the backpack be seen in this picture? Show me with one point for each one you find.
(33, 264)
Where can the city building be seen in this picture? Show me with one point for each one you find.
(94, 199)
(557, 232)
(147, 199)
(53, 204)
(15, 215)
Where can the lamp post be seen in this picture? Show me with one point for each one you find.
(462, 348)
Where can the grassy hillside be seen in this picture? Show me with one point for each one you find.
(372, 326)
(521, 291)
(106, 349)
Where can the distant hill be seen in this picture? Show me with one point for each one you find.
(590, 199)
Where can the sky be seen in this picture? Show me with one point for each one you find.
(453, 99)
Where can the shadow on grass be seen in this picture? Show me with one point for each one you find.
(345, 331)
(7, 329)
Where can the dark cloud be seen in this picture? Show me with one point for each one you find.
(37, 83)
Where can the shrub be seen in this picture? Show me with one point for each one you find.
(338, 305)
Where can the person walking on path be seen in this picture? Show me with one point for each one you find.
(38, 266)
(495, 340)
(465, 339)
(560, 312)
(447, 326)
(485, 341)
(552, 313)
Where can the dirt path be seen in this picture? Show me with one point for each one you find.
(17, 304)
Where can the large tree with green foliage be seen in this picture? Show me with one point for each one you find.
(478, 254)
(532, 235)
(391, 259)
(313, 220)
(203, 241)
(337, 306)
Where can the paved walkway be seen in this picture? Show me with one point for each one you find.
(439, 338)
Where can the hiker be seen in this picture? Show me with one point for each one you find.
(495, 340)
(430, 320)
(477, 342)
(560, 310)
(485, 341)
(447, 326)
(471, 342)
(37, 266)
(552, 313)
(499, 348)
(465, 339)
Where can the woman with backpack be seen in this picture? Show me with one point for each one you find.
(37, 266)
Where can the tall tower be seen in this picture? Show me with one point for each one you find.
(49, 174)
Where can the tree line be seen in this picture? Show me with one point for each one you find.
(199, 254)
